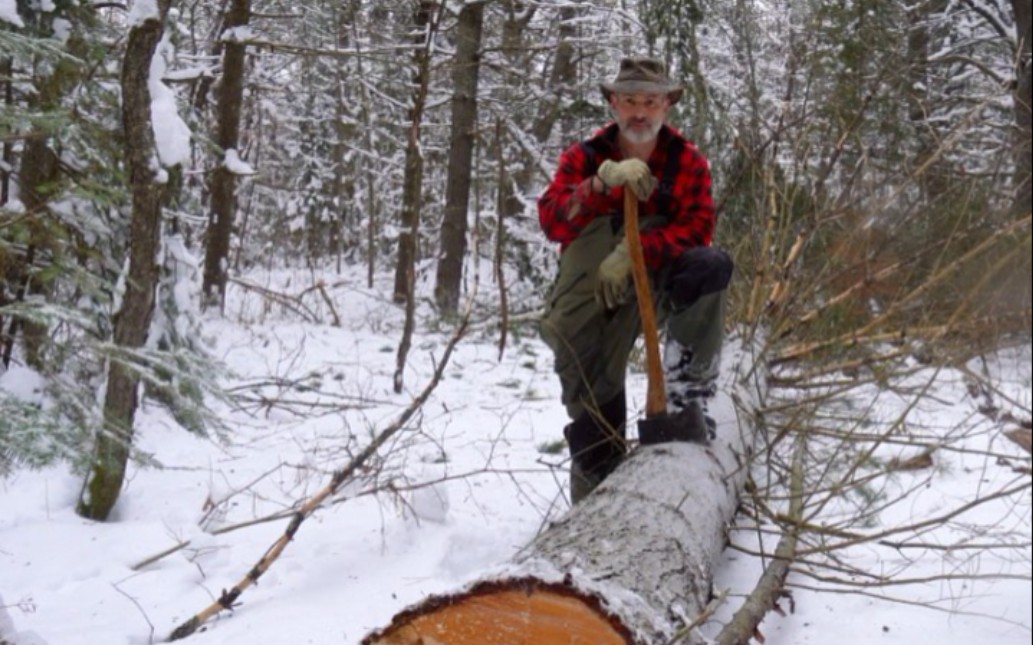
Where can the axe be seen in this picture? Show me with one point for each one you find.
(657, 427)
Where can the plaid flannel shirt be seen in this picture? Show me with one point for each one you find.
(683, 196)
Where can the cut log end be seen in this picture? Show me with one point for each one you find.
(507, 613)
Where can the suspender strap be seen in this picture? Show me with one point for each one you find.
(665, 191)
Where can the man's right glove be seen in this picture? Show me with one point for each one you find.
(614, 272)
(632, 173)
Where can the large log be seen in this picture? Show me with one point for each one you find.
(631, 564)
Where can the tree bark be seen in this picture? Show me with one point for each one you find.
(131, 324)
(1023, 201)
(561, 82)
(632, 563)
(342, 229)
(935, 181)
(465, 76)
(413, 181)
(39, 168)
(7, 148)
(222, 205)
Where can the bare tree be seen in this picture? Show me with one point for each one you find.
(7, 155)
(465, 77)
(425, 24)
(222, 205)
(104, 482)
(1023, 106)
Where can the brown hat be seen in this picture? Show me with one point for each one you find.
(642, 74)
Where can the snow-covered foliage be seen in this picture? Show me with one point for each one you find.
(863, 154)
(468, 483)
(64, 236)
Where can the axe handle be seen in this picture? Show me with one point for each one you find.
(656, 398)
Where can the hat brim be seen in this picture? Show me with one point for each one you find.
(673, 92)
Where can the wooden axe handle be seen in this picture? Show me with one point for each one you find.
(656, 398)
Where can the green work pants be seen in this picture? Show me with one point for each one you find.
(592, 345)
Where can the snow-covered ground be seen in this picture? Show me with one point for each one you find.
(471, 479)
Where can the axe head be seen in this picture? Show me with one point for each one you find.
(690, 424)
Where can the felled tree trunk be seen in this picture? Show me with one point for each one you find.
(631, 564)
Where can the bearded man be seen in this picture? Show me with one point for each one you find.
(592, 319)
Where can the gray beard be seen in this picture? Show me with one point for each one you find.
(638, 136)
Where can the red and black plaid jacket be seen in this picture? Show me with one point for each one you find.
(683, 195)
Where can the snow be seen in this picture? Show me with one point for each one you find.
(62, 29)
(142, 11)
(171, 134)
(9, 13)
(235, 164)
(22, 382)
(237, 35)
(456, 493)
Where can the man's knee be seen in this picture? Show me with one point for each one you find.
(698, 272)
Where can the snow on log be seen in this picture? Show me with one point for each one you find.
(630, 565)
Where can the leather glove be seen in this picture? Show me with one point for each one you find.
(614, 277)
(632, 173)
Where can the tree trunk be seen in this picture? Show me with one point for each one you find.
(935, 182)
(413, 182)
(465, 75)
(227, 135)
(632, 563)
(131, 324)
(342, 229)
(372, 218)
(7, 155)
(562, 79)
(1023, 201)
(39, 168)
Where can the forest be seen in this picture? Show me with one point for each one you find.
(872, 165)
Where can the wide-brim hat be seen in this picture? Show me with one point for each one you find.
(642, 75)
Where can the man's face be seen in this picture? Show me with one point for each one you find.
(640, 116)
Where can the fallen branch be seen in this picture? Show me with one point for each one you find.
(290, 302)
(229, 598)
(771, 586)
(329, 303)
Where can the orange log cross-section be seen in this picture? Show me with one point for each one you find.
(506, 617)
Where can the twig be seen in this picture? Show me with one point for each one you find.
(703, 617)
(290, 302)
(150, 637)
(229, 598)
(771, 586)
(329, 303)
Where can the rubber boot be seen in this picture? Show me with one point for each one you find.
(597, 446)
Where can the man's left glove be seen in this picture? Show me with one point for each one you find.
(614, 272)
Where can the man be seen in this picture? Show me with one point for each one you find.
(592, 318)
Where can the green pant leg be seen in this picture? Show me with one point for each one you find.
(591, 345)
(700, 330)
(694, 293)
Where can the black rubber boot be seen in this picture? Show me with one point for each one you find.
(597, 446)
